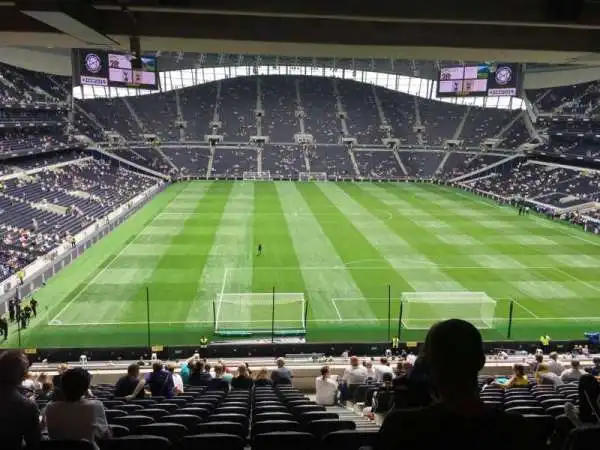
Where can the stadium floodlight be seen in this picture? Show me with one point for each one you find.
(246, 314)
(420, 310)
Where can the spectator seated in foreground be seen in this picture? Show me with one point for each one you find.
(573, 373)
(519, 378)
(76, 418)
(457, 418)
(281, 375)
(243, 380)
(19, 417)
(126, 384)
(326, 388)
(262, 378)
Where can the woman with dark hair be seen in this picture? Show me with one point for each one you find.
(19, 417)
(199, 376)
(74, 417)
(243, 379)
(326, 388)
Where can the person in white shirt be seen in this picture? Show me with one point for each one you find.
(327, 388)
(355, 374)
(574, 373)
(177, 380)
(76, 418)
(371, 373)
(553, 365)
(383, 368)
(30, 383)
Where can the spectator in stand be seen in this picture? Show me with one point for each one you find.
(383, 398)
(126, 384)
(371, 373)
(519, 378)
(186, 367)
(458, 419)
(383, 368)
(354, 376)
(159, 382)
(544, 376)
(327, 388)
(281, 375)
(218, 383)
(595, 370)
(573, 373)
(19, 417)
(76, 418)
(56, 379)
(46, 393)
(262, 378)
(538, 359)
(30, 384)
(177, 380)
(243, 380)
(199, 376)
(553, 365)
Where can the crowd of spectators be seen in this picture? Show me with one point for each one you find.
(433, 400)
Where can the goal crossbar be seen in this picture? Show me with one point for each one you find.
(257, 176)
(243, 314)
(420, 310)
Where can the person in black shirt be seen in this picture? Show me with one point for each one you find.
(23, 319)
(262, 378)
(218, 383)
(11, 310)
(4, 327)
(28, 312)
(127, 384)
(243, 379)
(457, 418)
(199, 376)
(33, 303)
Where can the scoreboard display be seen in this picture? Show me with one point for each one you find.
(114, 69)
(480, 80)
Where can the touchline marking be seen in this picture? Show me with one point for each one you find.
(220, 298)
(336, 310)
(358, 320)
(112, 260)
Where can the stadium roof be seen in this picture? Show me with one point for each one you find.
(558, 31)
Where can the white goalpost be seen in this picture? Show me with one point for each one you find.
(312, 176)
(256, 176)
(420, 310)
(242, 314)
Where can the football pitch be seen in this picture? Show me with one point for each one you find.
(335, 251)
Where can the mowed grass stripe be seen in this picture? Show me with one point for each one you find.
(118, 287)
(356, 252)
(228, 268)
(496, 282)
(271, 230)
(539, 290)
(61, 289)
(322, 269)
(565, 280)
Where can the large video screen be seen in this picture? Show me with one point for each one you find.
(482, 80)
(113, 69)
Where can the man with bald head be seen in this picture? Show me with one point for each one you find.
(457, 418)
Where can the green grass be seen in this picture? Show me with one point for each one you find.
(342, 245)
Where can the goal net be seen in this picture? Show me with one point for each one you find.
(420, 310)
(312, 176)
(257, 176)
(245, 314)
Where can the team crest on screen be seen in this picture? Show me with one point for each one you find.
(93, 63)
(503, 75)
